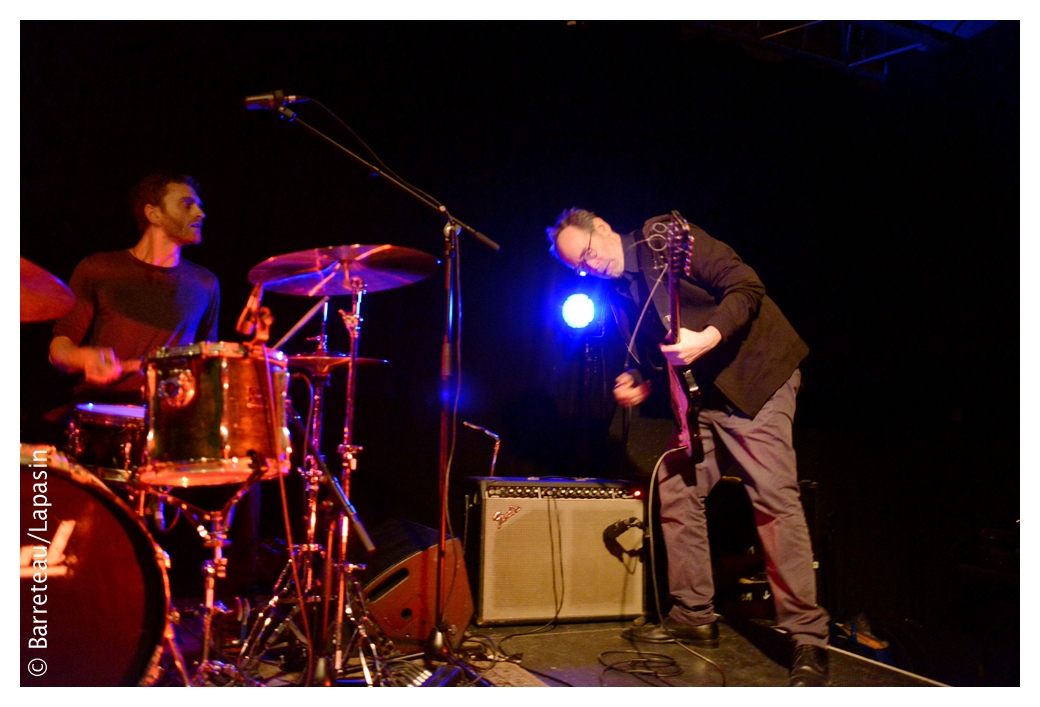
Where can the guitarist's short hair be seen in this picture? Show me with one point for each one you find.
(580, 218)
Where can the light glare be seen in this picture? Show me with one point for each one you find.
(578, 311)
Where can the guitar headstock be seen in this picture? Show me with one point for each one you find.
(680, 245)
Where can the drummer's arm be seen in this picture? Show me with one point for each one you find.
(99, 365)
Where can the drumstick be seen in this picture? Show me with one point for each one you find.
(131, 365)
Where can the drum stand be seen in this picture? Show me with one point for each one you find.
(350, 635)
(211, 671)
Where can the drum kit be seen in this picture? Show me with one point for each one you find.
(216, 414)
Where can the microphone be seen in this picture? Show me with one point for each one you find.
(485, 430)
(272, 101)
(615, 530)
(492, 435)
(247, 320)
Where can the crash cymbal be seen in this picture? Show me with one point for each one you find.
(321, 364)
(328, 271)
(43, 296)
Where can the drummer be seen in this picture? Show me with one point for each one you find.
(130, 302)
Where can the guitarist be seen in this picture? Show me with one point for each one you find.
(744, 356)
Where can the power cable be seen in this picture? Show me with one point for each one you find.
(653, 566)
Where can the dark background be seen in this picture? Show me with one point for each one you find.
(883, 216)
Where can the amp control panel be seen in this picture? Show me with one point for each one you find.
(555, 487)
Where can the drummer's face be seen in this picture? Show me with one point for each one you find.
(182, 214)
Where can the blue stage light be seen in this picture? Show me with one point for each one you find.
(578, 311)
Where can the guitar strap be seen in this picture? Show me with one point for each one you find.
(639, 322)
(630, 291)
(658, 295)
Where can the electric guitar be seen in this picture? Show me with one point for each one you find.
(685, 393)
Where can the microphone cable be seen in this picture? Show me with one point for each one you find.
(371, 151)
(655, 665)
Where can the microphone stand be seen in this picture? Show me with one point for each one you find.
(377, 172)
(436, 646)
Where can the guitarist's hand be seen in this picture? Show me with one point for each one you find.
(627, 393)
(692, 345)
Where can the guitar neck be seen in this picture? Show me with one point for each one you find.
(673, 309)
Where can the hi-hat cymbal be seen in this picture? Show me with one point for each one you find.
(321, 364)
(330, 271)
(43, 296)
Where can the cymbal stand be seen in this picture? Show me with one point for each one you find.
(350, 600)
(348, 593)
(350, 615)
(311, 472)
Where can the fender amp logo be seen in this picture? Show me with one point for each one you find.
(503, 517)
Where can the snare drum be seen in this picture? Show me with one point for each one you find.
(208, 406)
(108, 439)
(106, 605)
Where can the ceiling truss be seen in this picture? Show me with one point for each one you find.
(866, 48)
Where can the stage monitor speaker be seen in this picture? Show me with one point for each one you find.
(399, 584)
(556, 549)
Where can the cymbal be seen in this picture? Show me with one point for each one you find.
(320, 365)
(322, 272)
(43, 296)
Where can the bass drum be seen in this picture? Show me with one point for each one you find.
(94, 592)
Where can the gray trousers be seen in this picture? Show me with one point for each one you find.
(761, 453)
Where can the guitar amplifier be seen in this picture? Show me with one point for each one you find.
(556, 549)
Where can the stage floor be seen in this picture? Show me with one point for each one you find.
(750, 654)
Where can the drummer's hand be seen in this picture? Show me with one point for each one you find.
(101, 366)
(627, 393)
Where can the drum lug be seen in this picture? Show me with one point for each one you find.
(127, 455)
(74, 444)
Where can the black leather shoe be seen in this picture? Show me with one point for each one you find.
(706, 635)
(810, 667)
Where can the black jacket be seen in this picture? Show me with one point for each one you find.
(759, 349)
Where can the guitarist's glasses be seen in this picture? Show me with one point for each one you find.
(582, 268)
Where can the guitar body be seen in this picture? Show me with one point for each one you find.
(685, 393)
